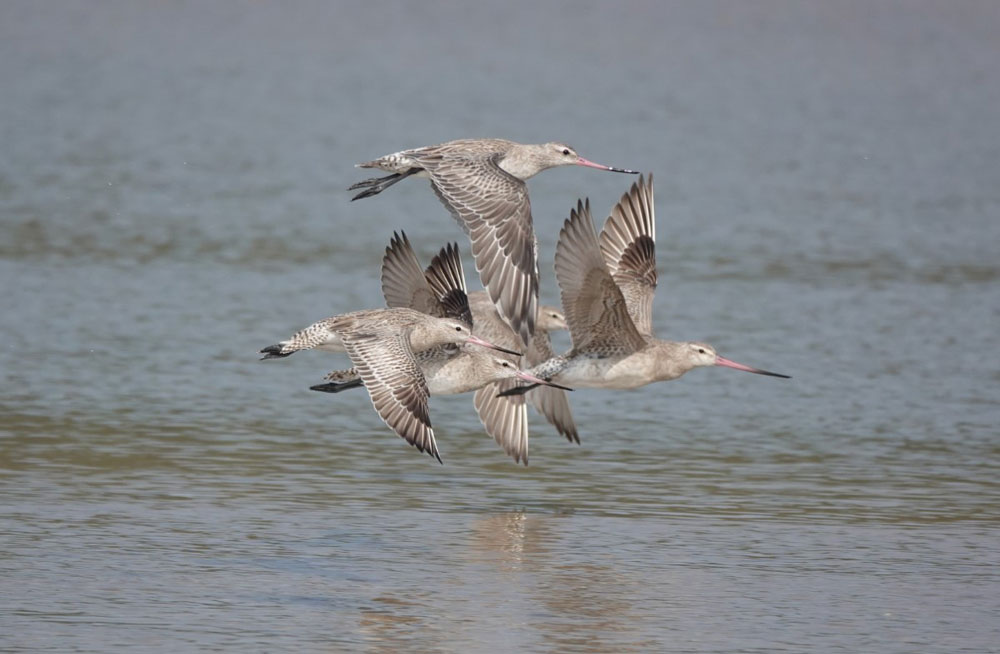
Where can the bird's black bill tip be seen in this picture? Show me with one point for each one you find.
(726, 363)
(627, 171)
(517, 390)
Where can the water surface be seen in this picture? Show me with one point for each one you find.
(172, 198)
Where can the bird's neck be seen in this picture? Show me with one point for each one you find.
(670, 362)
(521, 162)
(459, 373)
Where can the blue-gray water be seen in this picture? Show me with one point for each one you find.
(172, 198)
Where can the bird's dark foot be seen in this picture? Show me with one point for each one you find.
(367, 193)
(365, 183)
(336, 387)
(375, 185)
(274, 352)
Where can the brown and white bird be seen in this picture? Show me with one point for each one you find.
(382, 344)
(438, 290)
(607, 285)
(481, 182)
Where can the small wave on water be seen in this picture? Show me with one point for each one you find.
(697, 472)
(879, 267)
(33, 239)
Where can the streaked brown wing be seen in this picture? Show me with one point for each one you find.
(446, 279)
(552, 403)
(390, 372)
(539, 350)
(403, 282)
(438, 291)
(595, 309)
(628, 243)
(494, 210)
(504, 418)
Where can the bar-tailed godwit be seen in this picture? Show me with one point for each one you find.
(481, 182)
(448, 370)
(607, 287)
(381, 344)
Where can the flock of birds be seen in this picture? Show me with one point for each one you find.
(437, 338)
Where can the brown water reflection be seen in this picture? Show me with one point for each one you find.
(389, 623)
(581, 606)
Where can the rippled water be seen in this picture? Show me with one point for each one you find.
(172, 198)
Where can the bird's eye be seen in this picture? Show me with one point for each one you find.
(505, 364)
(458, 329)
(701, 350)
(565, 150)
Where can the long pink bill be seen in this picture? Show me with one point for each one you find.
(538, 380)
(580, 161)
(475, 340)
(719, 361)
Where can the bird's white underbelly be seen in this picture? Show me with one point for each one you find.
(444, 385)
(604, 373)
